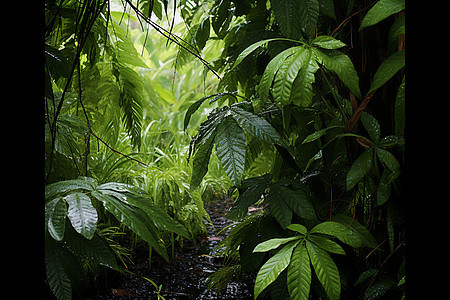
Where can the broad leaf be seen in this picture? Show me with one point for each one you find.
(273, 267)
(371, 125)
(296, 199)
(327, 42)
(299, 274)
(62, 188)
(309, 14)
(285, 76)
(133, 218)
(326, 244)
(380, 11)
(273, 243)
(136, 197)
(256, 126)
(270, 72)
(82, 214)
(341, 65)
(389, 160)
(280, 210)
(96, 249)
(387, 69)
(302, 90)
(344, 234)
(287, 16)
(299, 228)
(230, 149)
(326, 270)
(252, 48)
(57, 278)
(55, 215)
(359, 168)
(366, 237)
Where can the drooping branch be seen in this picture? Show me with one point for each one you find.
(172, 37)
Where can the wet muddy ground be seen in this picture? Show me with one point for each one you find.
(184, 277)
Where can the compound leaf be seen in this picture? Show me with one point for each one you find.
(344, 234)
(299, 274)
(273, 267)
(326, 270)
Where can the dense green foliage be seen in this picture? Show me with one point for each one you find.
(296, 107)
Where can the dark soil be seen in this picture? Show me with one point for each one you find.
(184, 277)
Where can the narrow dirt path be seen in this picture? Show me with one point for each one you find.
(184, 277)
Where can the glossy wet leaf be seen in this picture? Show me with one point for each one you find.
(327, 42)
(82, 214)
(299, 274)
(359, 168)
(56, 212)
(343, 233)
(341, 65)
(133, 218)
(256, 126)
(230, 149)
(273, 267)
(380, 11)
(326, 270)
(388, 69)
(299, 228)
(286, 15)
(273, 243)
(372, 126)
(309, 14)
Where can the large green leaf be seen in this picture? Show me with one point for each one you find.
(343, 233)
(389, 160)
(371, 125)
(280, 210)
(327, 42)
(299, 274)
(308, 16)
(326, 244)
(62, 188)
(57, 278)
(302, 91)
(296, 199)
(96, 249)
(230, 149)
(55, 216)
(273, 267)
(359, 168)
(387, 69)
(252, 48)
(341, 65)
(270, 72)
(256, 126)
(82, 214)
(326, 270)
(136, 197)
(286, 74)
(274, 243)
(380, 11)
(366, 237)
(287, 16)
(135, 219)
